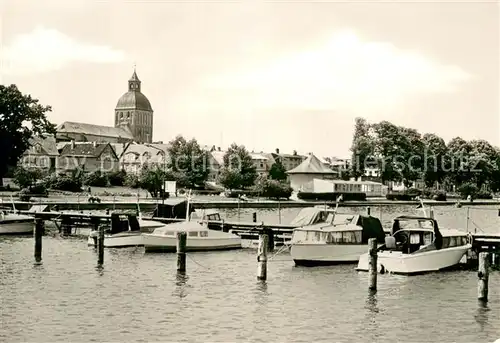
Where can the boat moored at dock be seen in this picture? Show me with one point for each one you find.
(417, 245)
(199, 238)
(332, 238)
(15, 223)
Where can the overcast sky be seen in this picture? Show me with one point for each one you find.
(283, 74)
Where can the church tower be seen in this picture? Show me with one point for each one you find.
(134, 111)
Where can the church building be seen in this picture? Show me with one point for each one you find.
(133, 121)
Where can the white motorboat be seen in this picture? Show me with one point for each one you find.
(199, 238)
(124, 233)
(331, 238)
(417, 245)
(15, 223)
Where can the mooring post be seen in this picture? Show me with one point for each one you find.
(254, 215)
(431, 213)
(181, 251)
(222, 226)
(368, 211)
(262, 257)
(38, 232)
(483, 276)
(100, 246)
(372, 264)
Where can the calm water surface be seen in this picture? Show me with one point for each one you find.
(139, 297)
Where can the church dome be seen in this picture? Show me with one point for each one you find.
(134, 100)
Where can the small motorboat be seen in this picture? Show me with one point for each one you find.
(332, 238)
(417, 245)
(199, 238)
(125, 231)
(15, 223)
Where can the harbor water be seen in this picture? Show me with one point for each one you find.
(139, 297)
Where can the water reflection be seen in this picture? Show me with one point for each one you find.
(181, 284)
(371, 302)
(482, 313)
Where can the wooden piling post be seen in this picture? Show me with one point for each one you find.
(100, 246)
(431, 213)
(262, 257)
(181, 251)
(368, 211)
(254, 217)
(483, 276)
(372, 264)
(37, 233)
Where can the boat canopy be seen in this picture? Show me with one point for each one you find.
(312, 215)
(370, 227)
(180, 227)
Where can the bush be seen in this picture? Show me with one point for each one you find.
(132, 181)
(273, 189)
(96, 179)
(413, 192)
(467, 189)
(399, 196)
(439, 196)
(240, 192)
(117, 178)
(484, 195)
(68, 183)
(331, 196)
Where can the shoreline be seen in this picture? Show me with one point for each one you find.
(149, 204)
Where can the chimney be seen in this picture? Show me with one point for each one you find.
(72, 144)
(277, 151)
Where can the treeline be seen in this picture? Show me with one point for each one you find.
(188, 164)
(403, 154)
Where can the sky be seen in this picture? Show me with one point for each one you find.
(291, 75)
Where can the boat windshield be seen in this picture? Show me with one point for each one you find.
(314, 215)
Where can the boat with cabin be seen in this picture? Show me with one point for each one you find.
(125, 231)
(199, 238)
(417, 245)
(15, 223)
(327, 237)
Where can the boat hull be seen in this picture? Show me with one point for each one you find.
(17, 227)
(412, 264)
(154, 243)
(326, 254)
(120, 240)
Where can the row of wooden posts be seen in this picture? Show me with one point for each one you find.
(262, 258)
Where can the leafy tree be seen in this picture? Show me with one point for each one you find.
(277, 171)
(21, 117)
(411, 148)
(483, 162)
(361, 148)
(272, 188)
(117, 178)
(238, 170)
(188, 162)
(457, 161)
(434, 158)
(24, 177)
(151, 178)
(96, 179)
(387, 150)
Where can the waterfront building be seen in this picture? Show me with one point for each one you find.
(311, 168)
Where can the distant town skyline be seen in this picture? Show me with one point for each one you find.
(265, 75)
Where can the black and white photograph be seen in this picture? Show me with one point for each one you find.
(273, 171)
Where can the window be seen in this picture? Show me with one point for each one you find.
(350, 237)
(204, 234)
(446, 242)
(414, 238)
(299, 236)
(336, 237)
(427, 238)
(453, 242)
(193, 234)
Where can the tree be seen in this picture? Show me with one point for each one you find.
(411, 148)
(21, 117)
(238, 170)
(387, 144)
(272, 188)
(482, 162)
(151, 178)
(188, 162)
(24, 177)
(457, 161)
(277, 171)
(361, 148)
(434, 159)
